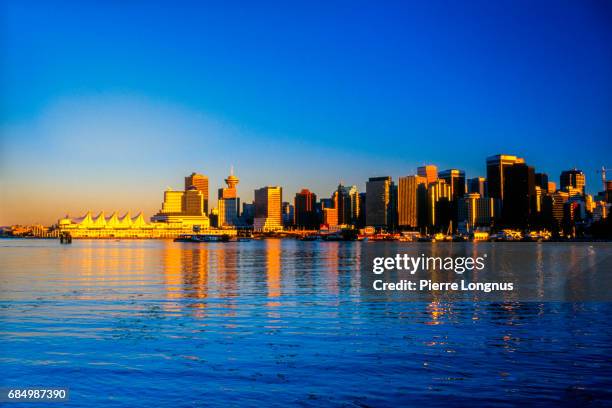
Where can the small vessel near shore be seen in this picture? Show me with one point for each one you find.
(202, 238)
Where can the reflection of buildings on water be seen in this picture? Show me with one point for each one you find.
(105, 265)
(186, 272)
(273, 269)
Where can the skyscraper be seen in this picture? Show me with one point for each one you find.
(342, 203)
(379, 201)
(305, 211)
(495, 173)
(288, 214)
(574, 179)
(519, 203)
(439, 204)
(229, 203)
(268, 215)
(355, 204)
(429, 171)
(200, 182)
(456, 180)
(478, 185)
(411, 198)
(183, 207)
(541, 179)
(478, 211)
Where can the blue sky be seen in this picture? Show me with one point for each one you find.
(104, 105)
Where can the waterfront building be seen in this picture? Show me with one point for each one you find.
(229, 202)
(305, 211)
(429, 171)
(559, 198)
(184, 207)
(248, 213)
(126, 226)
(478, 185)
(355, 204)
(601, 210)
(200, 182)
(478, 211)
(496, 166)
(439, 204)
(573, 179)
(519, 193)
(342, 203)
(361, 219)
(268, 216)
(287, 214)
(379, 202)
(456, 180)
(330, 218)
(411, 201)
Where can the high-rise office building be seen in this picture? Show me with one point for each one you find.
(287, 214)
(379, 202)
(342, 203)
(200, 182)
(361, 220)
(478, 185)
(478, 211)
(456, 180)
(429, 171)
(552, 187)
(268, 215)
(574, 179)
(305, 210)
(411, 199)
(229, 203)
(495, 173)
(439, 208)
(355, 204)
(330, 217)
(183, 207)
(541, 180)
(193, 202)
(248, 213)
(519, 203)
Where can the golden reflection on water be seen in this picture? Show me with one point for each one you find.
(273, 270)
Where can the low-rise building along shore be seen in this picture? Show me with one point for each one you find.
(113, 226)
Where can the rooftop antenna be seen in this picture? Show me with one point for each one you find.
(232, 170)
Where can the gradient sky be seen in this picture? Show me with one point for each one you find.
(102, 106)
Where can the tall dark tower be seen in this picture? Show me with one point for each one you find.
(519, 195)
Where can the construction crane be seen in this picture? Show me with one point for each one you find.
(603, 176)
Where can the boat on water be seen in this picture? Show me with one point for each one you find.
(202, 238)
(310, 238)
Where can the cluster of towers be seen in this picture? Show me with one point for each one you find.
(512, 195)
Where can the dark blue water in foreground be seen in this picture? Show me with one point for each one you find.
(275, 323)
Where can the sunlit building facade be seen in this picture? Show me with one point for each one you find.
(268, 215)
(200, 182)
(228, 202)
(496, 166)
(305, 211)
(411, 199)
(429, 171)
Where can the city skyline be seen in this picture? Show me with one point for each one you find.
(288, 196)
(100, 111)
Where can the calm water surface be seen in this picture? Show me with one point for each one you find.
(278, 322)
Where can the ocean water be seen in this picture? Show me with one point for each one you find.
(283, 322)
